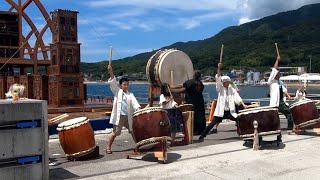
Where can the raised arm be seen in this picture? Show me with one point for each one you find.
(113, 81)
(110, 71)
(218, 78)
(276, 64)
(219, 69)
(274, 71)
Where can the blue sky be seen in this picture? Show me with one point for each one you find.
(136, 26)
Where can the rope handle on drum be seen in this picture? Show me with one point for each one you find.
(163, 123)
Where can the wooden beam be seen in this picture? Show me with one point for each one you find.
(15, 61)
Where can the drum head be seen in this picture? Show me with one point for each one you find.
(72, 122)
(148, 110)
(179, 63)
(258, 109)
(305, 101)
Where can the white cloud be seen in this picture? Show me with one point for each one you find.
(121, 25)
(245, 20)
(167, 4)
(257, 9)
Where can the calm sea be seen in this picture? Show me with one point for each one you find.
(141, 91)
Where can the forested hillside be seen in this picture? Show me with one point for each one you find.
(247, 46)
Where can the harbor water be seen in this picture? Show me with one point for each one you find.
(248, 93)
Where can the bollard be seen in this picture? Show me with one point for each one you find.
(255, 136)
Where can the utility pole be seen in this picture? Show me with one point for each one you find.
(310, 62)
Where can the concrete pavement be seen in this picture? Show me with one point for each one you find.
(298, 157)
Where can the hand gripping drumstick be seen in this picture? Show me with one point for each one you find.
(277, 49)
(221, 53)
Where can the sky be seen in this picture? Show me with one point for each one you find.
(136, 26)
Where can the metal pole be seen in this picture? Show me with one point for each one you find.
(310, 62)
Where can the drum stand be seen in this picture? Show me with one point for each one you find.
(257, 140)
(160, 150)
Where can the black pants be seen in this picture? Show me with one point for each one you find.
(199, 120)
(285, 110)
(226, 115)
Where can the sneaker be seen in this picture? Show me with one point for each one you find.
(214, 131)
(201, 139)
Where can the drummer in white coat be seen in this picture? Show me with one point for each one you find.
(227, 98)
(277, 92)
(124, 104)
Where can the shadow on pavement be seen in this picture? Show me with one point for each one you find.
(171, 157)
(61, 173)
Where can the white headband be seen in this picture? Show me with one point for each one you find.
(225, 79)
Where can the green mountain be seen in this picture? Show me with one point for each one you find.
(246, 46)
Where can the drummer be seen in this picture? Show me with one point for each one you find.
(227, 98)
(300, 94)
(166, 101)
(277, 92)
(193, 89)
(124, 104)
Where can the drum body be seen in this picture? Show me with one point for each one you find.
(185, 107)
(76, 137)
(176, 120)
(267, 118)
(163, 62)
(304, 113)
(150, 123)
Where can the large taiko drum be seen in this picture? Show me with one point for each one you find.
(76, 137)
(304, 113)
(150, 126)
(267, 118)
(163, 62)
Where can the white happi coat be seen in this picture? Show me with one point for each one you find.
(133, 104)
(274, 89)
(234, 98)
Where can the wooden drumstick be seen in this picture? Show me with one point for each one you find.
(110, 60)
(171, 75)
(252, 106)
(169, 89)
(221, 53)
(277, 49)
(60, 118)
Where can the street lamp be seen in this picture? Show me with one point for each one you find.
(310, 62)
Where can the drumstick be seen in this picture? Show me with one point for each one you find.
(277, 49)
(110, 60)
(169, 90)
(60, 118)
(252, 105)
(221, 53)
(171, 77)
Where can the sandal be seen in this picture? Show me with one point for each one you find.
(108, 151)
